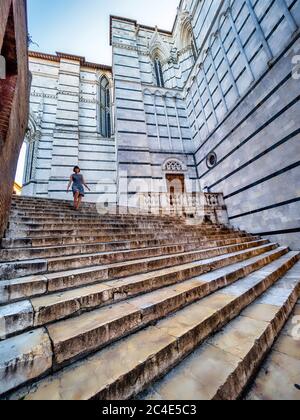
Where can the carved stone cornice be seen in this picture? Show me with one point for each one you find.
(130, 48)
(43, 95)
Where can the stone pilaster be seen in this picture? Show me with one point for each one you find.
(66, 132)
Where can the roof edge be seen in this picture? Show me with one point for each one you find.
(135, 22)
(60, 55)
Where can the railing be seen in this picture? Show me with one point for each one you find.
(209, 206)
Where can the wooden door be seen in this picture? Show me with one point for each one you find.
(176, 185)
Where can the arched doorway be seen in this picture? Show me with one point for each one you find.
(105, 108)
(175, 182)
(176, 187)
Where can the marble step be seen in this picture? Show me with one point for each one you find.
(144, 355)
(35, 214)
(223, 366)
(83, 217)
(66, 225)
(39, 311)
(121, 263)
(24, 199)
(79, 229)
(187, 244)
(40, 285)
(279, 377)
(96, 238)
(82, 230)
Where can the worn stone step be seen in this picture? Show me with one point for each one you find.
(106, 229)
(154, 258)
(34, 214)
(147, 354)
(95, 238)
(81, 231)
(91, 329)
(37, 205)
(279, 377)
(88, 220)
(83, 217)
(15, 227)
(24, 199)
(223, 366)
(67, 224)
(32, 355)
(26, 287)
(122, 233)
(127, 213)
(42, 310)
(117, 263)
(187, 244)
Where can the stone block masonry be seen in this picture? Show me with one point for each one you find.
(243, 102)
(81, 291)
(212, 104)
(68, 120)
(14, 96)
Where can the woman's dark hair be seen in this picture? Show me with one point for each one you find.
(76, 167)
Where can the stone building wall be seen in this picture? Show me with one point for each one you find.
(14, 92)
(243, 104)
(65, 128)
(151, 121)
(226, 115)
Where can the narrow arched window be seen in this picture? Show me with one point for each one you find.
(194, 49)
(159, 73)
(105, 108)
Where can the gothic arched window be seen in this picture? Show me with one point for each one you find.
(105, 108)
(194, 49)
(186, 35)
(159, 73)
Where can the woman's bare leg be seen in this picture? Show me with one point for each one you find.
(76, 198)
(79, 201)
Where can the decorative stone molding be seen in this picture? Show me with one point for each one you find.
(163, 92)
(43, 95)
(67, 93)
(174, 166)
(184, 50)
(158, 47)
(33, 132)
(173, 59)
(88, 101)
(130, 48)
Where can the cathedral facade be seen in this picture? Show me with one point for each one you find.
(212, 104)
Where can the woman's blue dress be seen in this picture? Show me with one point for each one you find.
(78, 184)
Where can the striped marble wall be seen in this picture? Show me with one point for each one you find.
(65, 114)
(243, 105)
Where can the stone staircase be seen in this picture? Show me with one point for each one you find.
(103, 307)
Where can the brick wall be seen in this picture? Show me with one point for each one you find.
(14, 97)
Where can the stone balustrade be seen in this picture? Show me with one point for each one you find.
(194, 207)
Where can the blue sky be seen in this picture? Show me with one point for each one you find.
(81, 27)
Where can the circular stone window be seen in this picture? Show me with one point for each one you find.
(211, 160)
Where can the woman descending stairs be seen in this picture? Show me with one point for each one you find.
(139, 306)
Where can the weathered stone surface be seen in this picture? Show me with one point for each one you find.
(14, 97)
(221, 368)
(23, 358)
(278, 378)
(17, 289)
(15, 317)
(191, 289)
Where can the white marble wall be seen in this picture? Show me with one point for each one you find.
(151, 121)
(243, 105)
(65, 106)
(238, 98)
